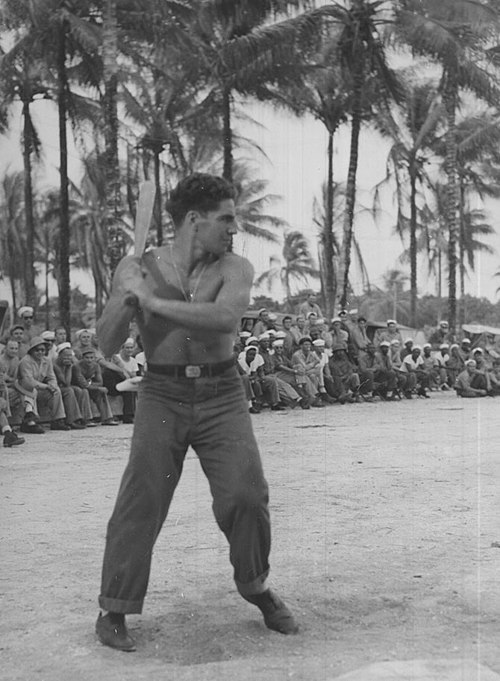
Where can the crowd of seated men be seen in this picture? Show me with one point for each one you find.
(307, 362)
(68, 384)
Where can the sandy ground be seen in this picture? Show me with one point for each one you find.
(386, 545)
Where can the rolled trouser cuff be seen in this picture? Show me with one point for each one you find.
(121, 606)
(257, 586)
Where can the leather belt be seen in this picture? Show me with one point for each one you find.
(191, 370)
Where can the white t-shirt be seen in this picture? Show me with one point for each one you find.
(410, 364)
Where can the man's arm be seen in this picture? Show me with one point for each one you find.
(113, 326)
(221, 315)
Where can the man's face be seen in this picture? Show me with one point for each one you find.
(415, 353)
(60, 336)
(89, 357)
(314, 333)
(444, 326)
(27, 320)
(12, 349)
(264, 316)
(250, 355)
(409, 346)
(85, 337)
(287, 324)
(384, 349)
(465, 346)
(17, 335)
(264, 345)
(215, 228)
(391, 327)
(38, 352)
(66, 357)
(306, 347)
(427, 352)
(336, 326)
(311, 298)
(312, 318)
(301, 322)
(128, 349)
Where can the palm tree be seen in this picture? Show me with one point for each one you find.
(13, 251)
(298, 264)
(335, 194)
(22, 78)
(408, 155)
(456, 34)
(362, 55)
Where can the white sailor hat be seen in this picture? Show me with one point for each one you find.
(416, 347)
(280, 334)
(444, 346)
(251, 339)
(278, 343)
(466, 340)
(48, 335)
(319, 343)
(244, 334)
(63, 346)
(395, 341)
(427, 345)
(471, 363)
(385, 343)
(264, 336)
(25, 309)
(477, 350)
(336, 319)
(391, 321)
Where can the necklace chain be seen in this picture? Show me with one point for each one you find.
(188, 297)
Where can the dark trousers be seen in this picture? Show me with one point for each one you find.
(211, 415)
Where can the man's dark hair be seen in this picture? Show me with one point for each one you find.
(199, 191)
(286, 318)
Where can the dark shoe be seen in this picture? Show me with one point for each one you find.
(127, 419)
(10, 439)
(91, 424)
(77, 426)
(317, 403)
(29, 427)
(253, 410)
(276, 615)
(110, 422)
(278, 407)
(59, 425)
(304, 403)
(112, 631)
(408, 394)
(370, 398)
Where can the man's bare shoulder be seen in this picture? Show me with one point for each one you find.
(236, 265)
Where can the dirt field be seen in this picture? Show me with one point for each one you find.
(386, 545)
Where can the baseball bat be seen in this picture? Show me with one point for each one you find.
(145, 206)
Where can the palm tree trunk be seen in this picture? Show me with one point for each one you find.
(29, 276)
(157, 207)
(64, 279)
(413, 247)
(227, 133)
(345, 262)
(116, 246)
(330, 275)
(452, 196)
(461, 255)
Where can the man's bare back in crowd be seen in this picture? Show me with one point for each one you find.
(188, 299)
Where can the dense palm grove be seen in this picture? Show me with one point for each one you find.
(154, 88)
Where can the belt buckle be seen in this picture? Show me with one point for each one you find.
(192, 371)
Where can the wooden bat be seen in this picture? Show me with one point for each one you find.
(145, 206)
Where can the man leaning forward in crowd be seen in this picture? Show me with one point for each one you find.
(188, 300)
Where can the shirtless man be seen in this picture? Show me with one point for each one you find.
(188, 299)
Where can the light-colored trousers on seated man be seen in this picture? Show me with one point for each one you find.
(52, 401)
